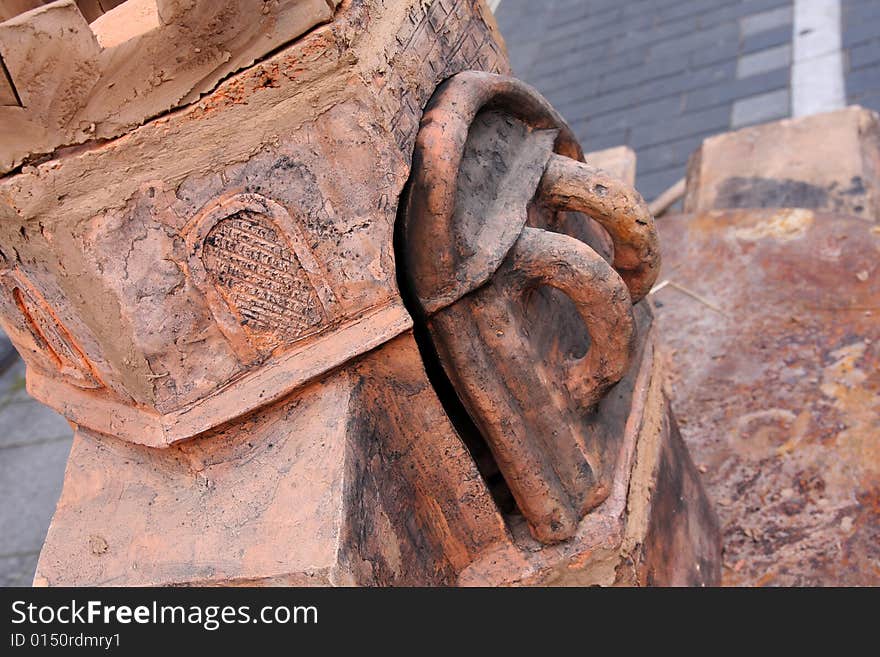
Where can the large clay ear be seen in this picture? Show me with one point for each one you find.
(487, 146)
(614, 205)
(484, 143)
(483, 168)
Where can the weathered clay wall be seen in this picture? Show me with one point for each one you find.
(114, 240)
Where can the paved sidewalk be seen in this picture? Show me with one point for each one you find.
(861, 43)
(34, 444)
(657, 75)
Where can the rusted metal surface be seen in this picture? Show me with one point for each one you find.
(772, 318)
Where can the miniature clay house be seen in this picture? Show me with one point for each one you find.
(329, 298)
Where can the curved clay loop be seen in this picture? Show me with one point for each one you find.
(437, 272)
(620, 209)
(541, 257)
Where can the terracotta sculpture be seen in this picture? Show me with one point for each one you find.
(210, 295)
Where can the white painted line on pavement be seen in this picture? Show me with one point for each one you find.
(817, 83)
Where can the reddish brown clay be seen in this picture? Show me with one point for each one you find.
(484, 167)
(618, 208)
(216, 309)
(825, 162)
(124, 244)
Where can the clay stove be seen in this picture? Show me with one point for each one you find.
(329, 298)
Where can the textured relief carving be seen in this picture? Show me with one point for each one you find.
(55, 343)
(436, 42)
(261, 278)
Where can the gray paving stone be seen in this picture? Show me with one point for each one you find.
(657, 75)
(12, 384)
(724, 51)
(18, 570)
(582, 106)
(653, 184)
(671, 155)
(562, 14)
(695, 78)
(860, 12)
(861, 42)
(564, 79)
(857, 32)
(651, 70)
(733, 11)
(728, 91)
(863, 81)
(598, 141)
(865, 54)
(561, 27)
(589, 64)
(650, 90)
(766, 20)
(674, 128)
(571, 97)
(761, 108)
(644, 32)
(763, 61)
(29, 422)
(522, 60)
(725, 32)
(871, 101)
(30, 483)
(644, 113)
(678, 9)
(8, 354)
(572, 39)
(769, 39)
